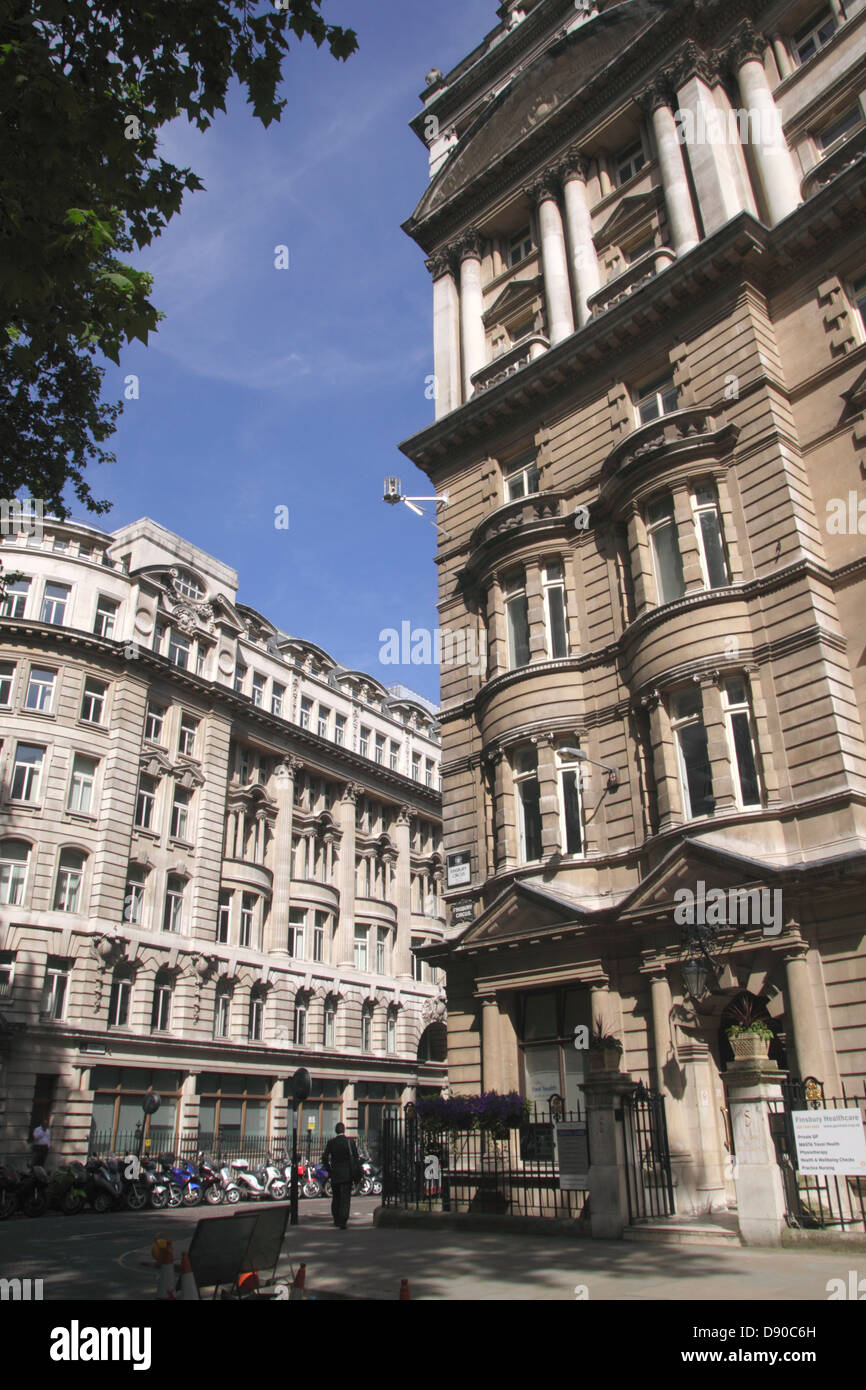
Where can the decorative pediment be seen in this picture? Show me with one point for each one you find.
(522, 910)
(154, 763)
(688, 864)
(187, 775)
(517, 295)
(629, 215)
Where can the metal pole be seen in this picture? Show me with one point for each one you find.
(293, 1205)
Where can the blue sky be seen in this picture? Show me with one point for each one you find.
(267, 387)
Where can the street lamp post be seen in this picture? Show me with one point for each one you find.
(301, 1087)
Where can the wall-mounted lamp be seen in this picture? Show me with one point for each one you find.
(582, 757)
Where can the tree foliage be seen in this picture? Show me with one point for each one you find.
(85, 89)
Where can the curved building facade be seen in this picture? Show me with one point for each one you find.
(645, 230)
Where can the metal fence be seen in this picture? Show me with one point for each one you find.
(515, 1171)
(815, 1201)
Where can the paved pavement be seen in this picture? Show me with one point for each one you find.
(108, 1257)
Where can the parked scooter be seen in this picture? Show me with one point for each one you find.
(264, 1181)
(158, 1187)
(67, 1189)
(231, 1191)
(32, 1193)
(104, 1187)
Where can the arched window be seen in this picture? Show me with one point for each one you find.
(14, 859)
(300, 1032)
(70, 876)
(187, 585)
(367, 1028)
(329, 1022)
(120, 998)
(433, 1043)
(391, 1031)
(160, 1018)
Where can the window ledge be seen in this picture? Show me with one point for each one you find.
(846, 153)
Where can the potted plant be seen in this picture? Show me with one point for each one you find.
(750, 1035)
(605, 1049)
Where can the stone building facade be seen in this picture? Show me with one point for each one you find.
(645, 228)
(218, 847)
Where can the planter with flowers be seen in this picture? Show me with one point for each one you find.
(605, 1049)
(750, 1036)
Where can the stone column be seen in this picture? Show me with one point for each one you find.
(344, 937)
(446, 334)
(784, 63)
(548, 798)
(608, 1194)
(751, 1086)
(718, 168)
(504, 813)
(554, 260)
(403, 895)
(283, 790)
(490, 1045)
(586, 276)
(675, 183)
(773, 160)
(718, 749)
(471, 310)
(801, 1011)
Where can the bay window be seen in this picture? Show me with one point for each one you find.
(664, 541)
(528, 804)
(696, 775)
(517, 619)
(553, 584)
(741, 742)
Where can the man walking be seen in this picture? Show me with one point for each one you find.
(344, 1166)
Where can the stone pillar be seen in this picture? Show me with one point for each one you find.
(504, 813)
(751, 1086)
(344, 937)
(675, 182)
(801, 1011)
(497, 638)
(704, 1180)
(554, 260)
(490, 1045)
(586, 277)
(608, 1194)
(283, 791)
(640, 560)
(471, 310)
(718, 168)
(446, 334)
(665, 768)
(774, 164)
(548, 798)
(535, 613)
(784, 63)
(718, 749)
(403, 895)
(687, 541)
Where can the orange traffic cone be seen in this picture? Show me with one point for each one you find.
(165, 1284)
(188, 1286)
(404, 1289)
(299, 1283)
(248, 1282)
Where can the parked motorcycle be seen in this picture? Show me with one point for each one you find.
(10, 1182)
(32, 1191)
(157, 1185)
(264, 1181)
(211, 1183)
(67, 1189)
(104, 1183)
(183, 1181)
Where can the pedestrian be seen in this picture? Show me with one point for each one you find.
(41, 1143)
(343, 1163)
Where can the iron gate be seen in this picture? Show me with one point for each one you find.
(814, 1201)
(648, 1160)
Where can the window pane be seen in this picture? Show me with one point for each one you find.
(539, 1019)
(541, 1065)
(699, 777)
(556, 615)
(749, 790)
(669, 564)
(518, 631)
(531, 814)
(571, 813)
(714, 551)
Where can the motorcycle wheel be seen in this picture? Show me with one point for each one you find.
(158, 1198)
(365, 1187)
(191, 1196)
(7, 1205)
(278, 1191)
(377, 1187)
(326, 1188)
(311, 1188)
(175, 1196)
(72, 1203)
(213, 1195)
(135, 1197)
(34, 1205)
(102, 1203)
(233, 1195)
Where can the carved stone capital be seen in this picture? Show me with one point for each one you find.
(692, 61)
(658, 93)
(546, 185)
(746, 46)
(404, 815)
(574, 164)
(351, 792)
(469, 246)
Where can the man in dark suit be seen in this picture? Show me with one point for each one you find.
(344, 1166)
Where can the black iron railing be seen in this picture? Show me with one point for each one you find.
(511, 1171)
(815, 1201)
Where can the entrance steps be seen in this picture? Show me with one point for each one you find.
(686, 1230)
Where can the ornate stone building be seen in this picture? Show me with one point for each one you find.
(218, 848)
(645, 227)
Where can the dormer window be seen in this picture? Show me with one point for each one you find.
(815, 35)
(188, 586)
(520, 247)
